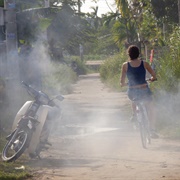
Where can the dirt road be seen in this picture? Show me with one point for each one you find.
(95, 140)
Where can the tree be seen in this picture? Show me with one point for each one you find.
(165, 10)
(1, 3)
(67, 31)
(179, 10)
(124, 28)
(146, 23)
(79, 3)
(26, 4)
(123, 7)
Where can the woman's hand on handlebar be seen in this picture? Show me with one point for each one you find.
(152, 79)
(124, 84)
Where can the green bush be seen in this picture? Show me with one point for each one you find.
(13, 171)
(166, 73)
(168, 69)
(81, 67)
(167, 98)
(59, 79)
(110, 70)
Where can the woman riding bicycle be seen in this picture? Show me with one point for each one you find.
(135, 70)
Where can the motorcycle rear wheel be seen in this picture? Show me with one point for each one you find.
(16, 146)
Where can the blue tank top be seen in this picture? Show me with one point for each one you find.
(136, 75)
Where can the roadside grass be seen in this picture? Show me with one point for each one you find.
(167, 114)
(81, 67)
(13, 170)
(110, 71)
(59, 79)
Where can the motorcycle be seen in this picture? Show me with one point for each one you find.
(30, 128)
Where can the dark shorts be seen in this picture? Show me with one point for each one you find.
(139, 93)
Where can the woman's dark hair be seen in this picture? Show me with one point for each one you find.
(133, 52)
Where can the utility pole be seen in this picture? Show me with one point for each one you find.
(11, 39)
(79, 6)
(12, 75)
(9, 66)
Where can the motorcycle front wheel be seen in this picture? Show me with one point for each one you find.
(16, 146)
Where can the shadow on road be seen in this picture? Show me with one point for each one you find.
(61, 163)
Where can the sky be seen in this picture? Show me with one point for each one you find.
(103, 7)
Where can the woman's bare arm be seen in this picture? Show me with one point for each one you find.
(150, 70)
(123, 75)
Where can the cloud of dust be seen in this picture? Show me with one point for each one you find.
(167, 108)
(88, 117)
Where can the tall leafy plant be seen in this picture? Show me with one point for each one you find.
(169, 64)
(174, 44)
(111, 68)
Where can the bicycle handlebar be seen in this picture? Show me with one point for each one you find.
(151, 80)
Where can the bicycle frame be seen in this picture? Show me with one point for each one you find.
(143, 120)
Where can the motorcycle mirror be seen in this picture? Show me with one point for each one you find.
(60, 97)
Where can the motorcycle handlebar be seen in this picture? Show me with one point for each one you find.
(52, 103)
(23, 83)
(30, 89)
(35, 93)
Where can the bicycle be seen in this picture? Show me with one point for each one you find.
(143, 120)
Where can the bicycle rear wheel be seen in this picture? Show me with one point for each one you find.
(144, 128)
(145, 136)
